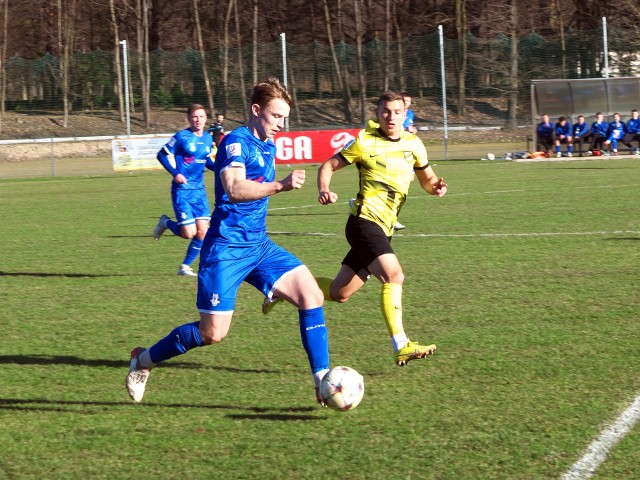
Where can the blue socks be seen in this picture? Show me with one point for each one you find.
(180, 340)
(193, 251)
(173, 226)
(315, 338)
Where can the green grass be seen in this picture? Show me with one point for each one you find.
(525, 275)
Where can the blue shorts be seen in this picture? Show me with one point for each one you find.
(224, 267)
(190, 205)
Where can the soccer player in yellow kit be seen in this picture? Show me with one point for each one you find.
(386, 156)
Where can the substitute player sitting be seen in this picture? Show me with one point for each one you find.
(386, 158)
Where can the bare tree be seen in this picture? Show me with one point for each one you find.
(225, 58)
(461, 30)
(342, 80)
(362, 83)
(243, 89)
(65, 47)
(254, 60)
(203, 60)
(513, 87)
(4, 6)
(144, 66)
(116, 59)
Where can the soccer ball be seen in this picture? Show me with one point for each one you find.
(342, 388)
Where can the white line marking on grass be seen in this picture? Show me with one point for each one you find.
(472, 235)
(601, 446)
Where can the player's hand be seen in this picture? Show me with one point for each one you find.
(294, 180)
(440, 188)
(325, 198)
(181, 179)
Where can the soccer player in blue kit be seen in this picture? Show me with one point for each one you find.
(237, 248)
(192, 150)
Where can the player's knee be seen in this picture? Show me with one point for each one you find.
(339, 295)
(210, 337)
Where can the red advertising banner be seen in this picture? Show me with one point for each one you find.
(314, 146)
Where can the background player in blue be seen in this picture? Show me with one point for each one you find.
(580, 132)
(598, 132)
(562, 133)
(191, 149)
(615, 133)
(409, 115)
(545, 134)
(633, 132)
(237, 248)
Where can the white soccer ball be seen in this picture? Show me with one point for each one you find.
(342, 388)
(491, 156)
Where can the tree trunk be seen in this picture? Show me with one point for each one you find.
(403, 82)
(144, 67)
(116, 60)
(461, 29)
(203, 60)
(513, 90)
(225, 59)
(341, 75)
(362, 82)
(65, 48)
(387, 42)
(3, 58)
(254, 60)
(243, 88)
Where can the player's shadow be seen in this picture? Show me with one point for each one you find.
(273, 417)
(63, 275)
(71, 406)
(85, 362)
(623, 238)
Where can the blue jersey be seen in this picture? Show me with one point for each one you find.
(580, 130)
(563, 129)
(408, 119)
(600, 128)
(545, 129)
(192, 154)
(242, 223)
(633, 126)
(616, 130)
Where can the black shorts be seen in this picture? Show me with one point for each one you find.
(368, 241)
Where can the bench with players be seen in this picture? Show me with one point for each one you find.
(600, 137)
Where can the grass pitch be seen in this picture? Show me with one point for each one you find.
(525, 275)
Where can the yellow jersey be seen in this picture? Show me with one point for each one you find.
(386, 169)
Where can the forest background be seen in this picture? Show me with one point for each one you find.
(64, 58)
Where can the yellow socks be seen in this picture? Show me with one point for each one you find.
(391, 306)
(324, 284)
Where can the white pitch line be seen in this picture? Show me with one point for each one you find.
(597, 452)
(473, 235)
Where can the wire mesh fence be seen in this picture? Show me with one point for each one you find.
(325, 83)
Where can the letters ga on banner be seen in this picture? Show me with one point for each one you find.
(313, 146)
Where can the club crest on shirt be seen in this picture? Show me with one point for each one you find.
(234, 149)
(408, 157)
(192, 147)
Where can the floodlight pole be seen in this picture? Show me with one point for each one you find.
(606, 47)
(125, 67)
(444, 94)
(283, 41)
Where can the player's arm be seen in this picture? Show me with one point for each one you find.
(430, 182)
(239, 189)
(164, 158)
(325, 172)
